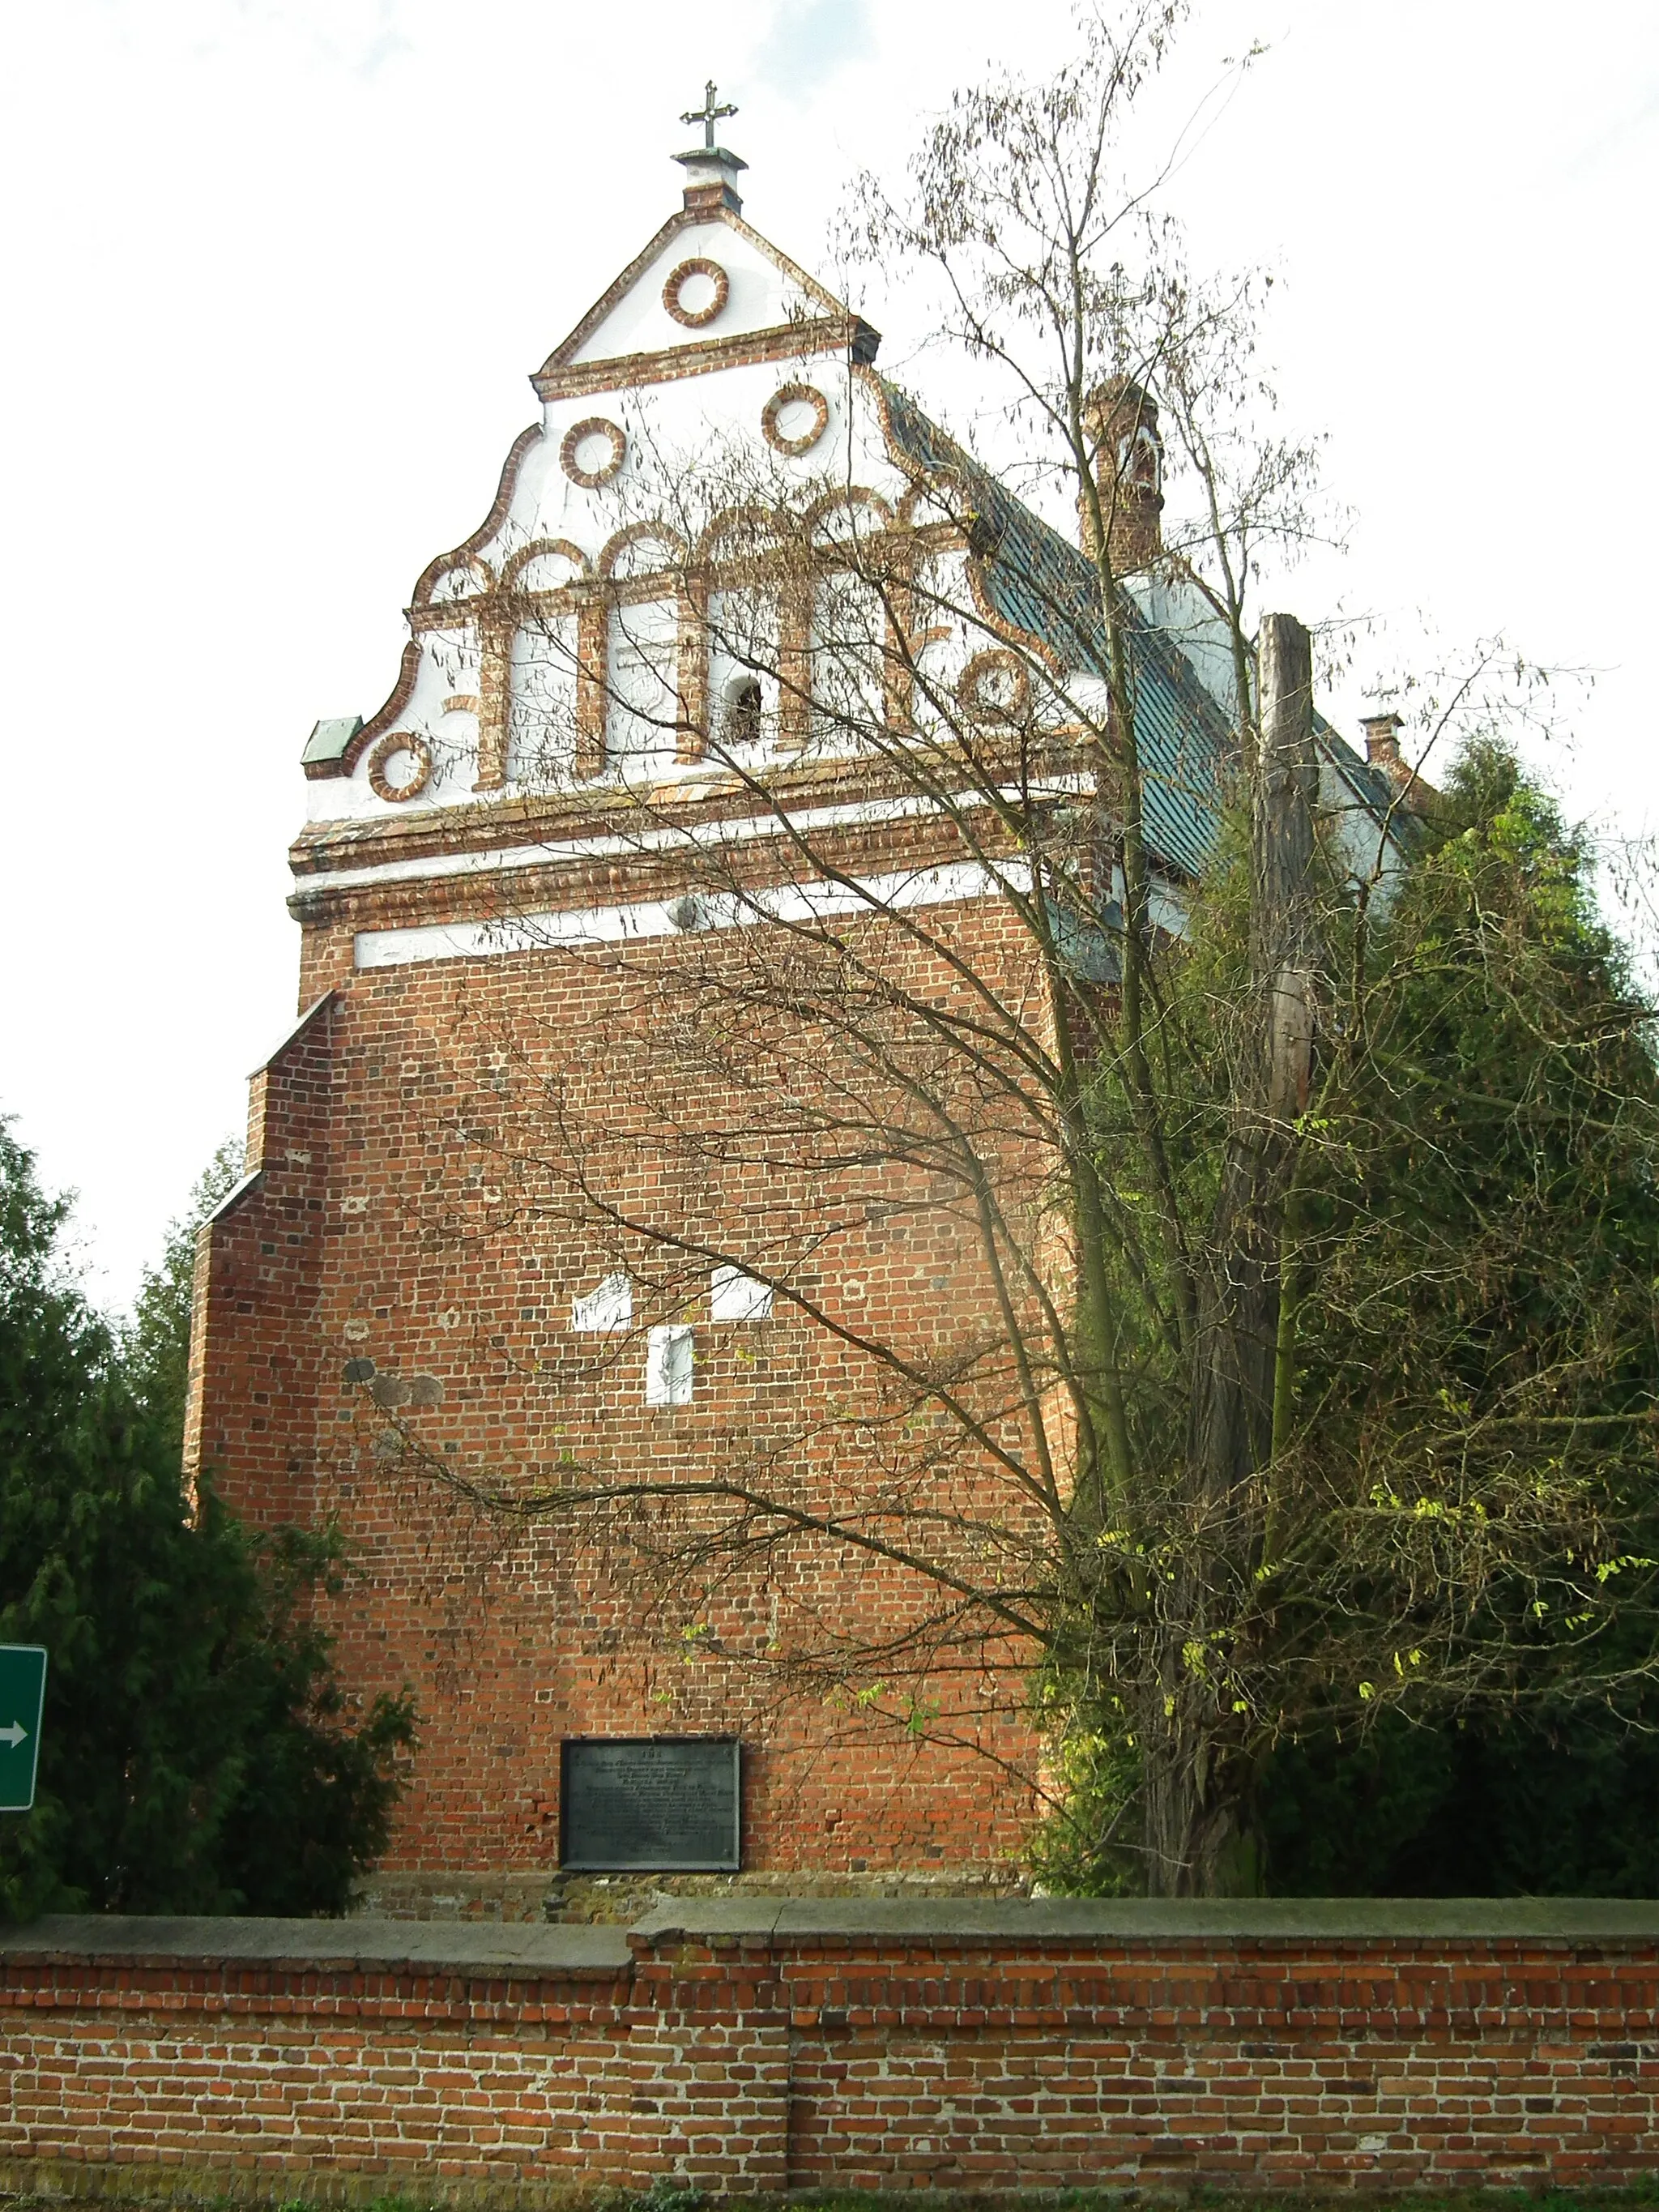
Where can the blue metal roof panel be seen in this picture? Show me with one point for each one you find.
(1038, 583)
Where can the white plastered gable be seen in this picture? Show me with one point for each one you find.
(631, 363)
(763, 291)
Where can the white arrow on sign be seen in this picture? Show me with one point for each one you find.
(14, 1734)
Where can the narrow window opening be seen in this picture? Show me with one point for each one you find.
(744, 708)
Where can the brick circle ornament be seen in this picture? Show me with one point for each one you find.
(694, 318)
(400, 741)
(795, 395)
(578, 435)
(996, 687)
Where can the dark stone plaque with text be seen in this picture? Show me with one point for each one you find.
(661, 1804)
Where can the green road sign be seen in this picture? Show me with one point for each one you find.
(22, 1692)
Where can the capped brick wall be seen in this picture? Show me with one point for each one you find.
(996, 2047)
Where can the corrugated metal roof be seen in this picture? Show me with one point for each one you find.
(1039, 583)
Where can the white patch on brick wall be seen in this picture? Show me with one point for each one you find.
(668, 1360)
(733, 1296)
(610, 1307)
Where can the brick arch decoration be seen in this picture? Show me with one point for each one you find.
(534, 551)
(408, 667)
(640, 533)
(757, 526)
(593, 426)
(477, 570)
(696, 318)
(793, 395)
(396, 742)
(855, 496)
(978, 700)
(457, 556)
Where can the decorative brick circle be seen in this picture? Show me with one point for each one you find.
(400, 741)
(996, 687)
(594, 426)
(694, 318)
(795, 395)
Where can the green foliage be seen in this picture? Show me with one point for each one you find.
(1482, 1237)
(1560, 1803)
(1440, 1669)
(156, 1343)
(195, 1753)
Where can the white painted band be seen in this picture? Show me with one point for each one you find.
(817, 901)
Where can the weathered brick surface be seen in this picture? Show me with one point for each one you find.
(940, 2056)
(404, 1224)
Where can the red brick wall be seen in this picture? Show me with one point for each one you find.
(1045, 2046)
(400, 1219)
(255, 1352)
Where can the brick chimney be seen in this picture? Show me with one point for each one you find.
(1120, 419)
(1383, 752)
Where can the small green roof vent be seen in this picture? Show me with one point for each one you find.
(328, 740)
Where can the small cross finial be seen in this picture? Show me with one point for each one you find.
(709, 115)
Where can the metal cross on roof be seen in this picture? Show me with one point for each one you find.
(709, 115)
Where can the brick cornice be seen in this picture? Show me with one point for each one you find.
(811, 336)
(595, 809)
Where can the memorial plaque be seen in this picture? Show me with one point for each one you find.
(650, 1804)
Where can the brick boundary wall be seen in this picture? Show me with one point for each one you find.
(755, 2046)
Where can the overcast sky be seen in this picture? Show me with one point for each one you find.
(275, 272)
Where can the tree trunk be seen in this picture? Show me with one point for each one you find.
(1198, 1839)
(1230, 1434)
(1198, 1836)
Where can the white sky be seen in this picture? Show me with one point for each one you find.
(276, 272)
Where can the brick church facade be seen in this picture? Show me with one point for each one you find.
(404, 1321)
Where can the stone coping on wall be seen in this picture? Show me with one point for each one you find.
(1139, 1919)
(559, 1948)
(332, 1944)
